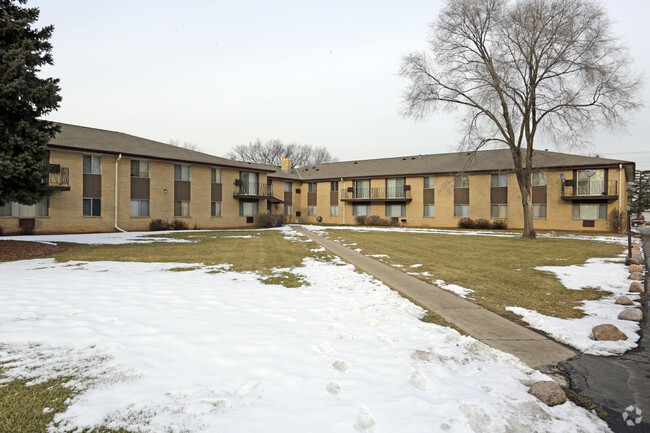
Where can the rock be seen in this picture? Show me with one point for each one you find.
(636, 287)
(638, 257)
(624, 300)
(549, 392)
(608, 332)
(631, 261)
(633, 314)
(636, 268)
(636, 276)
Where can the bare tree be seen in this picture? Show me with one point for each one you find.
(191, 146)
(273, 151)
(523, 68)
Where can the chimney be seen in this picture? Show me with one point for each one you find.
(286, 165)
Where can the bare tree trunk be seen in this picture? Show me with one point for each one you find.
(526, 202)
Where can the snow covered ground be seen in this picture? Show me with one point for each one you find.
(194, 351)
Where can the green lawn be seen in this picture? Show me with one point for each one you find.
(501, 270)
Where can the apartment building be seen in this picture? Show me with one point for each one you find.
(104, 181)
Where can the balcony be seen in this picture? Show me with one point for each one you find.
(592, 190)
(59, 178)
(254, 190)
(359, 195)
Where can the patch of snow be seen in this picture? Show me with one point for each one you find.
(318, 250)
(417, 265)
(240, 237)
(378, 256)
(197, 351)
(605, 274)
(463, 292)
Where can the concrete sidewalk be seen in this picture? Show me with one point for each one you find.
(532, 348)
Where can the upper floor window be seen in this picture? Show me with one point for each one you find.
(139, 168)
(288, 186)
(181, 172)
(428, 182)
(591, 182)
(539, 178)
(362, 188)
(92, 164)
(395, 187)
(311, 187)
(334, 186)
(216, 175)
(499, 180)
(461, 181)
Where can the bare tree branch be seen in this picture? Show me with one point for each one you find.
(273, 151)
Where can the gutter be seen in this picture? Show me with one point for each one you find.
(620, 186)
(116, 185)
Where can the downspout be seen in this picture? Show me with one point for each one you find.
(116, 185)
(620, 186)
(344, 203)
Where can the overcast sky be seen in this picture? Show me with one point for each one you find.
(217, 73)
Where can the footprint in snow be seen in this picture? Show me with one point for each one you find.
(340, 366)
(334, 388)
(326, 348)
(365, 420)
(418, 380)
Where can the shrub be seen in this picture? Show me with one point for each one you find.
(374, 220)
(466, 223)
(482, 224)
(499, 224)
(158, 224)
(617, 221)
(180, 225)
(266, 220)
(1, 230)
(361, 219)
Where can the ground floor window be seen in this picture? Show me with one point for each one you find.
(428, 210)
(215, 208)
(396, 210)
(139, 208)
(92, 207)
(590, 211)
(334, 210)
(539, 210)
(40, 209)
(461, 211)
(311, 210)
(361, 209)
(288, 209)
(181, 208)
(499, 211)
(248, 208)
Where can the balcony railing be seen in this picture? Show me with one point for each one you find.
(253, 190)
(572, 189)
(59, 178)
(400, 193)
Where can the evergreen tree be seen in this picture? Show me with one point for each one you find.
(24, 98)
(640, 193)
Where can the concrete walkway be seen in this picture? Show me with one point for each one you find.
(532, 348)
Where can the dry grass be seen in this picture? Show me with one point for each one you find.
(501, 270)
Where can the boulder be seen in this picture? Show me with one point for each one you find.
(549, 392)
(608, 332)
(634, 314)
(624, 300)
(638, 257)
(636, 287)
(636, 276)
(631, 261)
(636, 268)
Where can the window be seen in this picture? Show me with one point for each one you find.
(499, 211)
(288, 209)
(590, 211)
(288, 186)
(181, 172)
(591, 182)
(461, 181)
(362, 188)
(13, 209)
(92, 164)
(334, 186)
(499, 180)
(248, 208)
(334, 210)
(539, 178)
(395, 187)
(181, 208)
(428, 182)
(139, 168)
(311, 187)
(428, 210)
(311, 210)
(539, 210)
(360, 209)
(215, 208)
(215, 175)
(461, 211)
(92, 207)
(139, 208)
(249, 185)
(395, 210)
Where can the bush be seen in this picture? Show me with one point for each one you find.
(266, 220)
(482, 224)
(1, 230)
(374, 220)
(466, 223)
(617, 221)
(158, 225)
(361, 219)
(499, 224)
(180, 225)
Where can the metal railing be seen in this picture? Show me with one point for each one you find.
(589, 188)
(253, 189)
(60, 178)
(387, 193)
